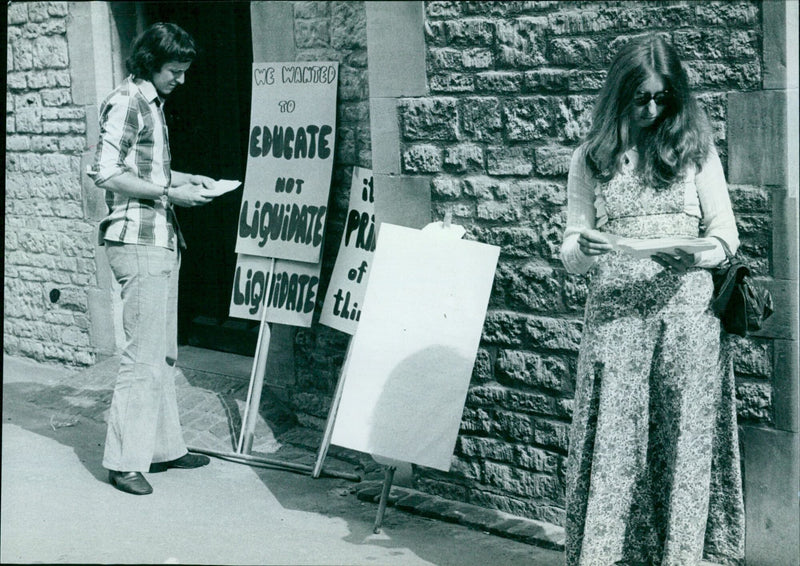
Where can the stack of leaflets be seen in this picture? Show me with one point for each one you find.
(641, 248)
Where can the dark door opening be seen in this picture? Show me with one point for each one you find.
(208, 119)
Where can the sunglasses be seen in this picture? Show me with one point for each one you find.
(660, 98)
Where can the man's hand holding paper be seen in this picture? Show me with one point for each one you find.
(219, 188)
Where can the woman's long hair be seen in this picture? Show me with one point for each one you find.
(679, 137)
(159, 44)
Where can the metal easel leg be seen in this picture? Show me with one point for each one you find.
(387, 486)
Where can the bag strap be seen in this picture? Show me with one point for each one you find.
(725, 248)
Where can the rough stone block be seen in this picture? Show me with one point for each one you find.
(529, 118)
(508, 161)
(574, 52)
(28, 120)
(716, 44)
(749, 199)
(724, 76)
(552, 434)
(515, 241)
(529, 287)
(498, 82)
(515, 427)
(477, 58)
(573, 117)
(452, 83)
(480, 118)
(495, 211)
(430, 119)
(50, 52)
(470, 32)
(486, 188)
(348, 25)
(440, 9)
(581, 22)
(522, 42)
(464, 158)
(446, 187)
(531, 369)
(312, 33)
(552, 161)
(16, 82)
(504, 329)
(721, 13)
(754, 402)
(424, 158)
(446, 59)
(17, 13)
(482, 370)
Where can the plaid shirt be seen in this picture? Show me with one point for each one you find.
(134, 139)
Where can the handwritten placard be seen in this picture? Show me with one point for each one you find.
(342, 307)
(289, 160)
(410, 360)
(290, 292)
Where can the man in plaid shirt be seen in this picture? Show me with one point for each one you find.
(143, 244)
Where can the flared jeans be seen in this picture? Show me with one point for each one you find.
(143, 422)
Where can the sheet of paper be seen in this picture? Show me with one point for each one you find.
(411, 358)
(221, 187)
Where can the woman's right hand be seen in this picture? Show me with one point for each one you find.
(593, 242)
(188, 195)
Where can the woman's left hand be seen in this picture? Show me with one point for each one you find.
(676, 264)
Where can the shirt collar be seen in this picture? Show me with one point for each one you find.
(148, 90)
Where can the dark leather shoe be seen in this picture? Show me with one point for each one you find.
(187, 461)
(129, 482)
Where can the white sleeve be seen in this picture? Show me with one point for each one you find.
(715, 204)
(580, 213)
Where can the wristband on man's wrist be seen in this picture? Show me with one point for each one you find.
(166, 192)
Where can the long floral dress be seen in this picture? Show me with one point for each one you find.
(653, 471)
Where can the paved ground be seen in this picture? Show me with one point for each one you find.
(57, 506)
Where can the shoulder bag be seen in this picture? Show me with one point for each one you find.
(741, 304)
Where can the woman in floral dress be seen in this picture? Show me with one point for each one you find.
(653, 469)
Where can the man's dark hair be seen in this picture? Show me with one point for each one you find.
(157, 45)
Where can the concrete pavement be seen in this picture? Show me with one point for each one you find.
(57, 506)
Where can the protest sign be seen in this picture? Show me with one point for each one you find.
(292, 290)
(289, 161)
(342, 307)
(411, 358)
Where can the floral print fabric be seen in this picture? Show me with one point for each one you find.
(653, 470)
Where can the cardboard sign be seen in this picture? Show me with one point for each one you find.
(292, 294)
(411, 358)
(342, 307)
(289, 160)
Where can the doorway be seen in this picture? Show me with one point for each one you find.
(208, 119)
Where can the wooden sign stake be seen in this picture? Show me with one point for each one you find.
(337, 397)
(250, 417)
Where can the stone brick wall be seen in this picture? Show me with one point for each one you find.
(512, 86)
(49, 252)
(332, 31)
